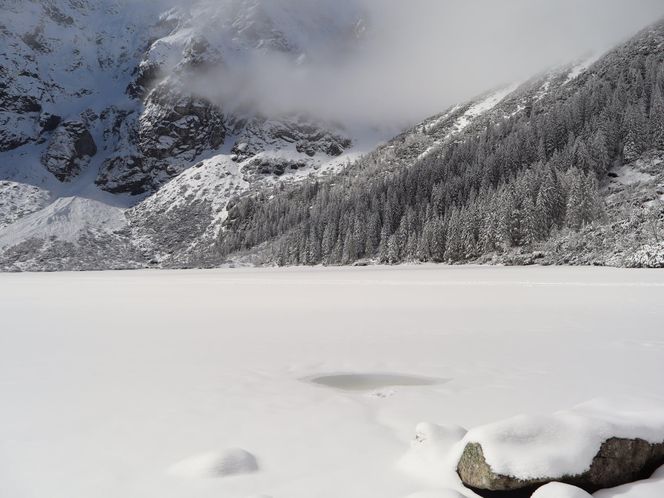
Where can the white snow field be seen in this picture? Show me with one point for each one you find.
(307, 383)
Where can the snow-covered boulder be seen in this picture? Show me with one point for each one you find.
(593, 446)
(70, 149)
(560, 490)
(216, 464)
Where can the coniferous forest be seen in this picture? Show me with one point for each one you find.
(505, 183)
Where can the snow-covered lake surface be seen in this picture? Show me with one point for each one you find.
(199, 384)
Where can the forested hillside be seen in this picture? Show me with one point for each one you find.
(564, 170)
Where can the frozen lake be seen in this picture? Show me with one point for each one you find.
(109, 381)
(371, 381)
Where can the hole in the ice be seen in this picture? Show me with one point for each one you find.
(372, 381)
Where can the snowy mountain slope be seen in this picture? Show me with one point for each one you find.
(158, 117)
(67, 111)
(18, 200)
(180, 223)
(437, 132)
(517, 176)
(192, 84)
(65, 219)
(99, 43)
(134, 108)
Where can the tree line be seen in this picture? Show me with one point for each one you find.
(505, 184)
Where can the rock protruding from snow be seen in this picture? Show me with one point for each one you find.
(69, 150)
(124, 173)
(560, 490)
(648, 488)
(175, 124)
(17, 127)
(593, 446)
(216, 464)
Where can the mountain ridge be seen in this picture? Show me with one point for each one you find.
(193, 179)
(537, 178)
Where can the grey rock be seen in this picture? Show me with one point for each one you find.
(619, 461)
(174, 125)
(70, 149)
(124, 174)
(49, 122)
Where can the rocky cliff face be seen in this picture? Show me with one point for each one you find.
(156, 114)
(108, 101)
(61, 58)
(70, 149)
(180, 116)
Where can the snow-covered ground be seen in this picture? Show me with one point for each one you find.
(205, 384)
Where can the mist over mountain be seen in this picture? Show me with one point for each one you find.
(565, 168)
(130, 131)
(417, 56)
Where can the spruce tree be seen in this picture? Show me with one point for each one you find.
(657, 117)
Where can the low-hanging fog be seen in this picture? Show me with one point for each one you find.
(417, 57)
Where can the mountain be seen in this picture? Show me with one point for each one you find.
(146, 135)
(114, 106)
(568, 168)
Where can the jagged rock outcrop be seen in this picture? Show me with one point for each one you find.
(182, 117)
(124, 174)
(170, 101)
(69, 150)
(49, 122)
(269, 166)
(19, 112)
(17, 121)
(619, 461)
(155, 95)
(181, 83)
(178, 127)
(306, 136)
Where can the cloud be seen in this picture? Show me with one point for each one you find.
(420, 56)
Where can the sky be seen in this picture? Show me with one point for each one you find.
(448, 50)
(419, 57)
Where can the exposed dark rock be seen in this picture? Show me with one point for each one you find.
(273, 166)
(18, 115)
(49, 122)
(35, 40)
(241, 152)
(124, 174)
(56, 15)
(146, 74)
(619, 461)
(24, 104)
(177, 126)
(70, 149)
